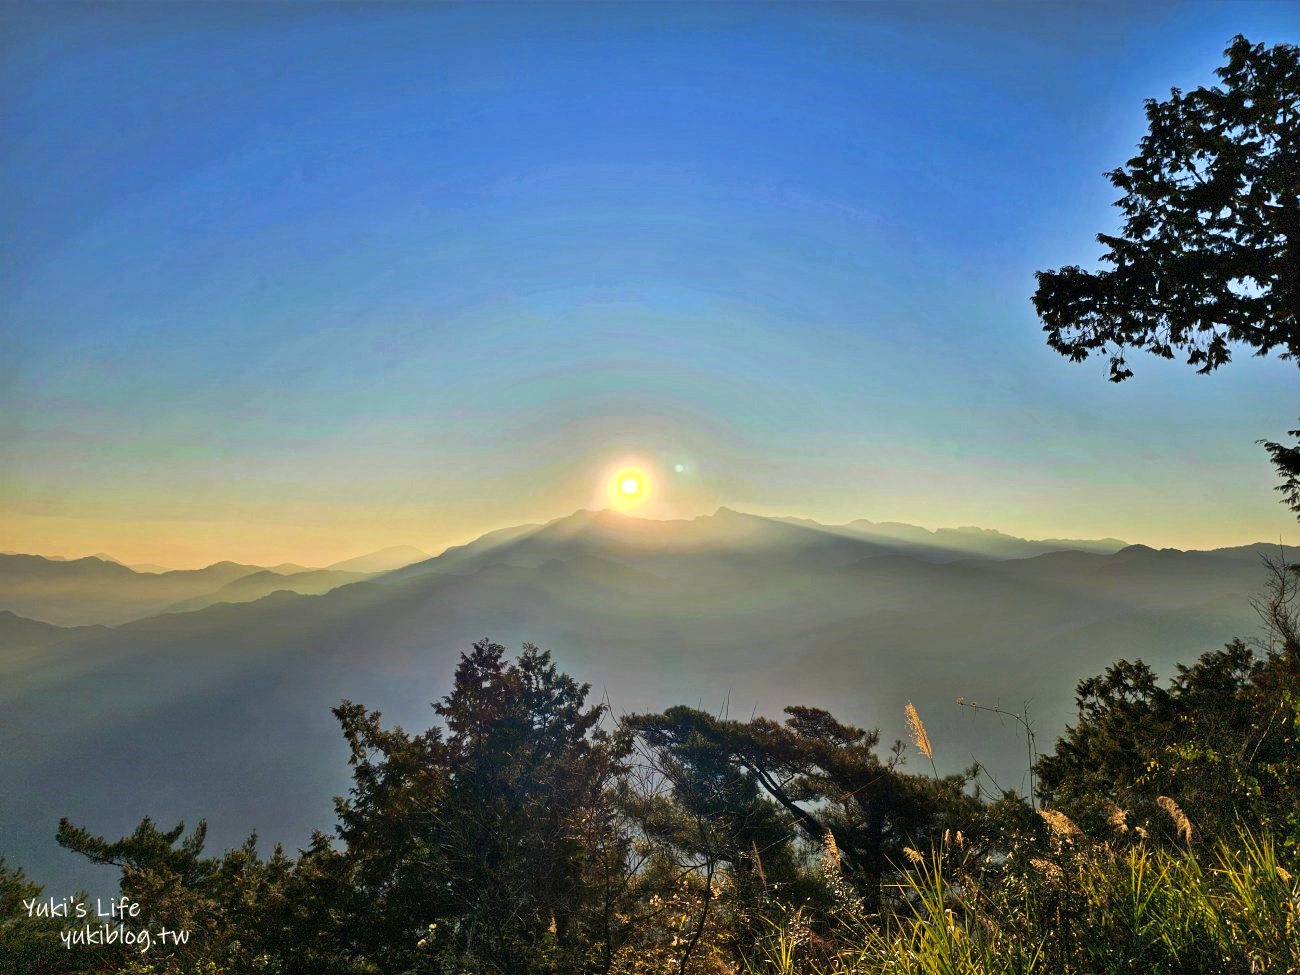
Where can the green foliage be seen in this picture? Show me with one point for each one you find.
(244, 913)
(1222, 740)
(28, 944)
(489, 844)
(1081, 908)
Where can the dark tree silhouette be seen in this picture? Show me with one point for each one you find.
(824, 775)
(236, 907)
(1287, 461)
(1209, 254)
(491, 836)
(27, 944)
(1221, 738)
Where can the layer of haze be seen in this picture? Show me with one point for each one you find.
(298, 282)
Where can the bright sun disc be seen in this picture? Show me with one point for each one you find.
(628, 487)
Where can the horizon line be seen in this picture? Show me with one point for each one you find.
(437, 552)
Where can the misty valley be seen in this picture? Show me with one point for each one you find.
(223, 713)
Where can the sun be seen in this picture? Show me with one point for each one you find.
(629, 487)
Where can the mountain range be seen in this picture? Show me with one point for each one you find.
(100, 589)
(217, 706)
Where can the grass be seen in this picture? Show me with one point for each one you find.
(1090, 909)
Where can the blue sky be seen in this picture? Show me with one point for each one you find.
(292, 282)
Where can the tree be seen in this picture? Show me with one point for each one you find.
(1222, 740)
(1209, 254)
(1287, 462)
(489, 844)
(235, 907)
(718, 827)
(824, 776)
(29, 943)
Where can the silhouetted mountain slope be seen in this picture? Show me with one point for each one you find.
(385, 560)
(224, 712)
(19, 634)
(948, 544)
(83, 591)
(724, 535)
(309, 582)
(92, 590)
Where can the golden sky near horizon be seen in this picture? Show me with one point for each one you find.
(319, 533)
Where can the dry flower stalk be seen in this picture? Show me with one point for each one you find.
(1061, 825)
(1181, 823)
(919, 738)
(830, 853)
(1118, 818)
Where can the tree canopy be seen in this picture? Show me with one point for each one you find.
(1208, 257)
(1209, 254)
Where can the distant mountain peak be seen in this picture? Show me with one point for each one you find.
(725, 514)
(974, 530)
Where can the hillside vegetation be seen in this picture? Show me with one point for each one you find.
(526, 832)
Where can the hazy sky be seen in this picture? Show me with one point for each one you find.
(298, 282)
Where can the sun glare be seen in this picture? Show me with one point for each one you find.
(628, 488)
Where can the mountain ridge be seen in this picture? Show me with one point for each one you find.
(68, 591)
(728, 604)
(741, 530)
